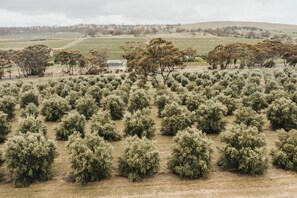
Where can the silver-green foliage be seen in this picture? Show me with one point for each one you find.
(30, 110)
(54, 108)
(29, 158)
(175, 118)
(140, 123)
(249, 117)
(86, 106)
(5, 127)
(33, 125)
(282, 113)
(102, 125)
(139, 159)
(28, 97)
(210, 117)
(7, 105)
(71, 123)
(243, 150)
(139, 100)
(115, 105)
(191, 154)
(90, 158)
(284, 155)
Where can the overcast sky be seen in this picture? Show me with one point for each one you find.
(69, 12)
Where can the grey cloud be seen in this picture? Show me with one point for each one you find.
(155, 11)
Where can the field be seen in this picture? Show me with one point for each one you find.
(274, 183)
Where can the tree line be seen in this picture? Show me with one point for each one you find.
(34, 60)
(262, 54)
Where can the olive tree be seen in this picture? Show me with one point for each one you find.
(90, 158)
(115, 105)
(284, 154)
(29, 158)
(140, 123)
(102, 125)
(175, 118)
(210, 117)
(33, 125)
(243, 150)
(54, 108)
(139, 100)
(86, 106)
(249, 117)
(30, 110)
(191, 154)
(71, 123)
(29, 97)
(5, 127)
(282, 113)
(139, 159)
(7, 105)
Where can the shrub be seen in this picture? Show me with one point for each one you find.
(191, 154)
(30, 110)
(29, 97)
(139, 100)
(29, 158)
(194, 101)
(115, 105)
(284, 155)
(102, 125)
(228, 101)
(7, 105)
(275, 95)
(162, 101)
(282, 113)
(86, 106)
(244, 150)
(33, 125)
(54, 108)
(139, 159)
(90, 158)
(72, 97)
(210, 117)
(255, 100)
(140, 123)
(249, 117)
(71, 123)
(175, 118)
(4, 127)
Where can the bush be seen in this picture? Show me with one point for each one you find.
(228, 101)
(102, 125)
(30, 110)
(194, 101)
(86, 106)
(115, 105)
(175, 118)
(72, 97)
(282, 113)
(191, 154)
(139, 159)
(255, 100)
(33, 125)
(210, 117)
(7, 105)
(29, 158)
(284, 155)
(54, 108)
(4, 127)
(139, 100)
(244, 150)
(71, 123)
(140, 123)
(28, 97)
(249, 117)
(90, 158)
(162, 101)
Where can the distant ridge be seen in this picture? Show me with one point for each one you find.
(263, 25)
